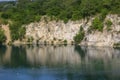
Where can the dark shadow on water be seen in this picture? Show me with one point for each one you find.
(2, 49)
(18, 56)
(80, 51)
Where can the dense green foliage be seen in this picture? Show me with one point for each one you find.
(80, 36)
(97, 24)
(17, 32)
(2, 36)
(26, 11)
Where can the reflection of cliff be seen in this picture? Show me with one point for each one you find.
(102, 59)
(92, 58)
(104, 53)
(13, 56)
(5, 54)
(50, 55)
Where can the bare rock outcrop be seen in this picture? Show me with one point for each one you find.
(58, 32)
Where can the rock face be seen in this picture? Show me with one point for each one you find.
(107, 37)
(52, 32)
(7, 32)
(59, 32)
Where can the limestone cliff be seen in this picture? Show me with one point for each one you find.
(56, 32)
(60, 32)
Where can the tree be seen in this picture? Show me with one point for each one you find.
(90, 7)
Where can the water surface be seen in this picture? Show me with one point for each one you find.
(40, 62)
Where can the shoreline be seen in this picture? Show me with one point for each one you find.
(59, 44)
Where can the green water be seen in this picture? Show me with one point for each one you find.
(40, 62)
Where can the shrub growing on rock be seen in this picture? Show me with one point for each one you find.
(30, 39)
(97, 24)
(65, 41)
(108, 24)
(79, 36)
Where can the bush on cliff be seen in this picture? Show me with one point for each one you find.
(108, 24)
(79, 36)
(97, 24)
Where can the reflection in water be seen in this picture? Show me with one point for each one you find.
(74, 61)
(50, 55)
(5, 54)
(57, 55)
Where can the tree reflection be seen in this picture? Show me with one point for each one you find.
(18, 56)
(80, 51)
